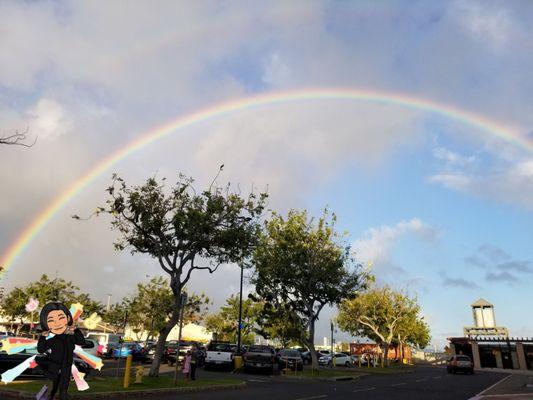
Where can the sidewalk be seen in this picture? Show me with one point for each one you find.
(515, 386)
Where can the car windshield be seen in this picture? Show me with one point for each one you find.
(289, 353)
(259, 349)
(219, 347)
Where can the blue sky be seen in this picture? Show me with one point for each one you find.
(442, 209)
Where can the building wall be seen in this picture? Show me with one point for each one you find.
(373, 348)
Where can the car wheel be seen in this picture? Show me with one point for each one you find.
(454, 371)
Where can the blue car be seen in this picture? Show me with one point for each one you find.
(138, 352)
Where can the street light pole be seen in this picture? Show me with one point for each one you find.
(239, 327)
(183, 302)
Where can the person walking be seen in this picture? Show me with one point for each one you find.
(187, 365)
(194, 363)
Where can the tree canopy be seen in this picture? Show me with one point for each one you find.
(302, 264)
(384, 315)
(183, 230)
(225, 322)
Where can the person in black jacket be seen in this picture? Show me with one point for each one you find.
(56, 318)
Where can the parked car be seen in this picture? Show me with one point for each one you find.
(171, 349)
(365, 360)
(8, 361)
(91, 347)
(291, 359)
(459, 363)
(306, 355)
(219, 354)
(137, 352)
(107, 341)
(6, 334)
(340, 359)
(260, 357)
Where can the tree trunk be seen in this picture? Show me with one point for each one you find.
(163, 334)
(386, 353)
(311, 344)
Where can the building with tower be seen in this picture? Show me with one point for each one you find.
(489, 345)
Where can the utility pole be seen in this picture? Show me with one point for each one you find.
(331, 323)
(239, 327)
(107, 309)
(183, 302)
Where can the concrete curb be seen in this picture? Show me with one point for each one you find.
(17, 394)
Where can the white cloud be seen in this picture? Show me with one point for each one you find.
(377, 245)
(48, 119)
(509, 182)
(452, 158)
(490, 25)
(276, 71)
(455, 181)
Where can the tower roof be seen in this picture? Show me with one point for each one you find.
(482, 303)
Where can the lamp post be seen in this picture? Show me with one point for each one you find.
(239, 327)
(183, 302)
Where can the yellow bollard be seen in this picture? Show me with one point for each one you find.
(238, 362)
(139, 370)
(127, 372)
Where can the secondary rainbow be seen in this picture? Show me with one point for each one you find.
(509, 134)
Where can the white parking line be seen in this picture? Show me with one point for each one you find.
(399, 384)
(490, 387)
(256, 380)
(313, 397)
(364, 389)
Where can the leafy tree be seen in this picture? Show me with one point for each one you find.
(302, 265)
(224, 323)
(412, 329)
(179, 227)
(58, 289)
(280, 324)
(46, 290)
(89, 305)
(383, 315)
(116, 315)
(13, 306)
(151, 307)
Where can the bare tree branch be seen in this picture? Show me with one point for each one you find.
(17, 139)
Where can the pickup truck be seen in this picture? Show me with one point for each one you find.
(219, 354)
(260, 357)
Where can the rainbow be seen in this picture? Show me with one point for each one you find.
(509, 134)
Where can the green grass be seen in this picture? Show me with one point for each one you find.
(107, 384)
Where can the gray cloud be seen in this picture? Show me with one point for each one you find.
(493, 253)
(475, 261)
(501, 277)
(517, 266)
(498, 264)
(459, 283)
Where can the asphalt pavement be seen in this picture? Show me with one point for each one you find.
(423, 383)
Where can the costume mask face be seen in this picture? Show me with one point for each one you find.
(57, 322)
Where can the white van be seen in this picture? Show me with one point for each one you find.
(108, 341)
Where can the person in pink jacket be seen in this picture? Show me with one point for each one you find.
(187, 365)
